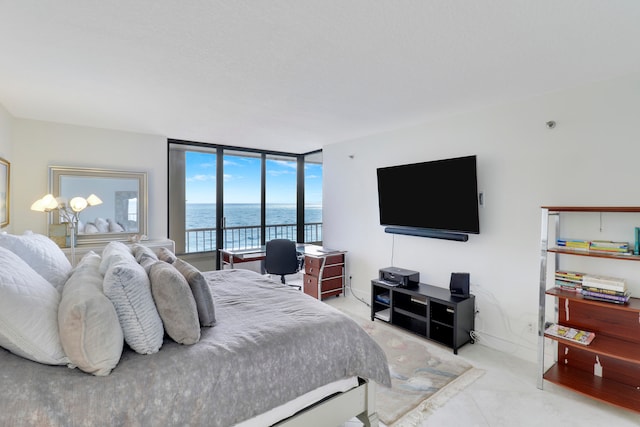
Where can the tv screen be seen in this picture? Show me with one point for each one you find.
(436, 195)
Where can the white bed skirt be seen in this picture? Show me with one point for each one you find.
(294, 406)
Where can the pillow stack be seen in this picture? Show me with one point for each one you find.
(81, 317)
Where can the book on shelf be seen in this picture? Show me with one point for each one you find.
(571, 287)
(573, 243)
(568, 280)
(605, 291)
(609, 244)
(602, 299)
(572, 334)
(383, 298)
(609, 250)
(569, 275)
(606, 297)
(604, 282)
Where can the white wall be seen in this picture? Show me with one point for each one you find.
(592, 157)
(6, 150)
(38, 145)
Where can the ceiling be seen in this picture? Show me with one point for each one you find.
(295, 75)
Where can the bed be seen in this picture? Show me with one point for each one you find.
(275, 356)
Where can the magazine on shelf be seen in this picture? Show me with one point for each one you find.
(572, 334)
(383, 298)
(606, 297)
(606, 291)
(384, 315)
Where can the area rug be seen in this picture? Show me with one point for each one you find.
(423, 375)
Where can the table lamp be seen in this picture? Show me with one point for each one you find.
(68, 212)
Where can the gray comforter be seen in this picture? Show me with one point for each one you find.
(271, 343)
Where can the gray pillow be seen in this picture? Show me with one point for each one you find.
(144, 255)
(201, 291)
(166, 255)
(90, 331)
(175, 303)
(128, 287)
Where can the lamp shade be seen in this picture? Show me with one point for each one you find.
(45, 204)
(94, 200)
(77, 204)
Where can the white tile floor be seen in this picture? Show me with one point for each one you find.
(507, 395)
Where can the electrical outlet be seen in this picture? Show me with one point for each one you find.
(531, 328)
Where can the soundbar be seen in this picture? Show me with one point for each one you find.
(427, 232)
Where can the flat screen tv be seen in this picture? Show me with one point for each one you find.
(439, 195)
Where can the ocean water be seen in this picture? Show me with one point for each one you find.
(203, 216)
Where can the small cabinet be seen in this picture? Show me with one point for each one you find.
(324, 275)
(426, 310)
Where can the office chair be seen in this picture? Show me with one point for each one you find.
(282, 258)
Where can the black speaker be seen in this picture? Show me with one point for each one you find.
(459, 285)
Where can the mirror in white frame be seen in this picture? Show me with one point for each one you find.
(123, 211)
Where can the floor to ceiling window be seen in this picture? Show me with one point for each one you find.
(313, 197)
(228, 197)
(280, 197)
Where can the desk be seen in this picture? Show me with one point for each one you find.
(324, 269)
(230, 256)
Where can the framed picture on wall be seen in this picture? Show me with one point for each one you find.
(5, 169)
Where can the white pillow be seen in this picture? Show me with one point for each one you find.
(90, 228)
(90, 331)
(128, 287)
(28, 312)
(102, 225)
(112, 252)
(114, 227)
(42, 254)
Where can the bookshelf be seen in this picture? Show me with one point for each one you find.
(609, 368)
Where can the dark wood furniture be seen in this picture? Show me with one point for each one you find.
(609, 368)
(426, 310)
(324, 273)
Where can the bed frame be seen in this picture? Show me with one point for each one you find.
(358, 402)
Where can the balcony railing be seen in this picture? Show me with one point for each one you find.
(248, 236)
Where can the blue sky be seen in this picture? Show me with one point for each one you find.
(242, 180)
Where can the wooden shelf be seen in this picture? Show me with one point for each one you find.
(606, 346)
(620, 209)
(608, 391)
(632, 305)
(595, 254)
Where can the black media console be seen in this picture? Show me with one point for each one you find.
(426, 310)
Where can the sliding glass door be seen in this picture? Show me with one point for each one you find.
(242, 200)
(230, 198)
